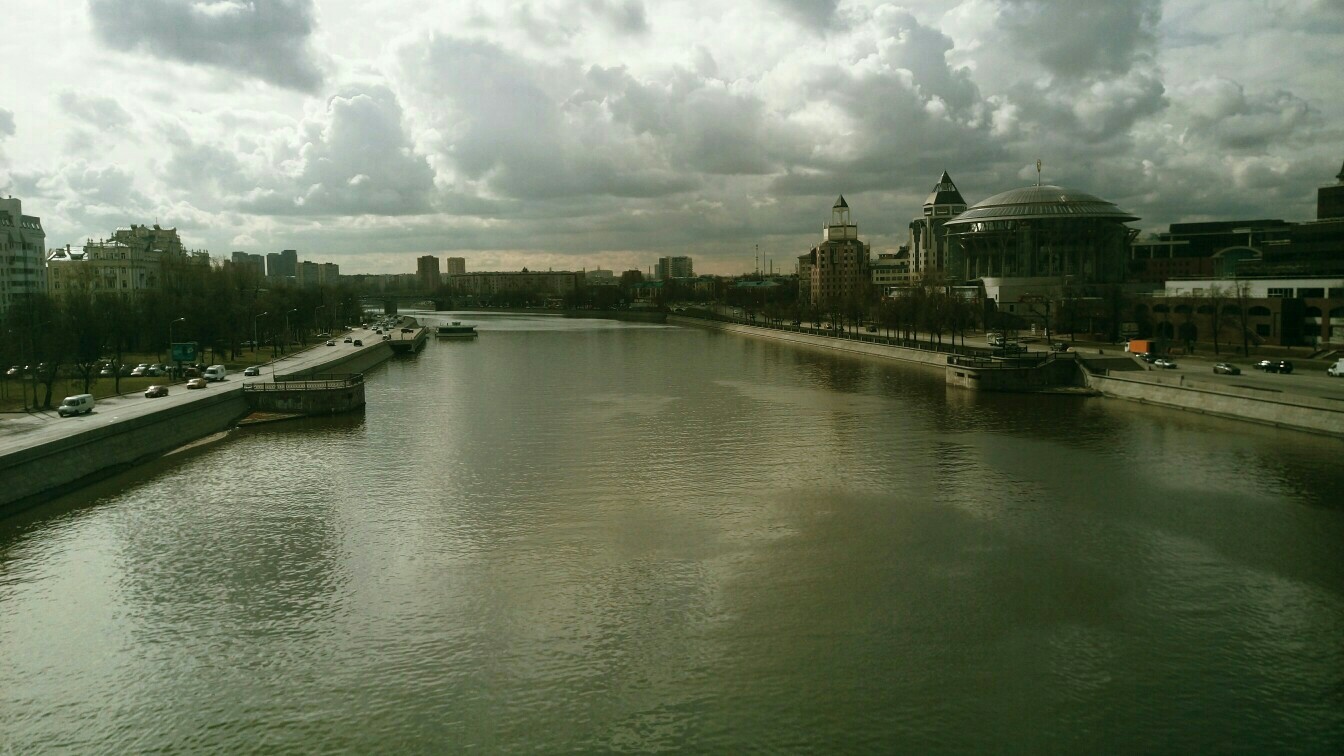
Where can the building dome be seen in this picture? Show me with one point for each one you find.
(1041, 202)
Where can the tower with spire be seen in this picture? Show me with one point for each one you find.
(929, 247)
(835, 272)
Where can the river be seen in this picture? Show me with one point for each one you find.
(594, 536)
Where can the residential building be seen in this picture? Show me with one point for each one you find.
(328, 274)
(306, 274)
(289, 263)
(892, 269)
(274, 265)
(560, 283)
(427, 272)
(22, 249)
(133, 260)
(674, 267)
(836, 270)
(254, 264)
(456, 266)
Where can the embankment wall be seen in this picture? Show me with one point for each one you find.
(1297, 411)
(352, 362)
(887, 351)
(41, 471)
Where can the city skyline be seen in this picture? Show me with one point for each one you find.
(611, 133)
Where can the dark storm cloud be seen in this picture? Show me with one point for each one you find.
(266, 39)
(1076, 39)
(809, 11)
(357, 159)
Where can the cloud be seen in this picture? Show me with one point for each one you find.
(809, 12)
(355, 158)
(1219, 110)
(6, 123)
(265, 39)
(101, 112)
(1076, 39)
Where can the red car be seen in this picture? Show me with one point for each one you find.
(154, 391)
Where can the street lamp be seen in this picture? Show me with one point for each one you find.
(170, 341)
(287, 336)
(316, 322)
(254, 332)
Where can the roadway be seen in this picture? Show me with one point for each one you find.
(20, 430)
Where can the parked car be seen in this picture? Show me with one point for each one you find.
(140, 372)
(196, 383)
(156, 390)
(1275, 366)
(1226, 368)
(79, 404)
(12, 371)
(1162, 362)
(252, 370)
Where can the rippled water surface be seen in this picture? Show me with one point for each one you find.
(576, 535)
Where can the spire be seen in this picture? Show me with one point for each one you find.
(1340, 175)
(841, 202)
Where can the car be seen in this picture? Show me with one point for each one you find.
(348, 339)
(105, 373)
(139, 372)
(252, 370)
(1226, 368)
(1012, 348)
(387, 337)
(358, 342)
(154, 371)
(331, 342)
(377, 330)
(79, 404)
(1162, 362)
(1274, 366)
(156, 390)
(12, 371)
(1149, 357)
(1059, 346)
(196, 383)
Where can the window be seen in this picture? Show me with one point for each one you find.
(1281, 293)
(1312, 293)
(1258, 312)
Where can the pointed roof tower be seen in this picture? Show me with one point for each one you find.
(945, 193)
(840, 202)
(1339, 176)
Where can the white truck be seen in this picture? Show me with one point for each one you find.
(1336, 369)
(215, 373)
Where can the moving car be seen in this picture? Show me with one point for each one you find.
(79, 404)
(154, 391)
(358, 342)
(348, 339)
(1059, 346)
(252, 370)
(1162, 362)
(1226, 368)
(1275, 366)
(196, 383)
(331, 342)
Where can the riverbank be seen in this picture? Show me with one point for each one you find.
(1280, 407)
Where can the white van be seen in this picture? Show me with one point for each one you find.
(79, 404)
(1336, 370)
(215, 373)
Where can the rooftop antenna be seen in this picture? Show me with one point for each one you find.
(1038, 171)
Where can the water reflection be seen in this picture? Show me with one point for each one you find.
(577, 535)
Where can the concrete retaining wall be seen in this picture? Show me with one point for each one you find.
(1307, 413)
(309, 401)
(1061, 371)
(886, 351)
(40, 472)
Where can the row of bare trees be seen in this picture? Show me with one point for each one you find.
(220, 308)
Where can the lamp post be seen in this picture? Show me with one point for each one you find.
(287, 337)
(316, 322)
(170, 341)
(254, 332)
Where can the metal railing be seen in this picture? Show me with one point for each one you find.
(308, 383)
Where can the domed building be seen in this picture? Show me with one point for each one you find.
(1034, 240)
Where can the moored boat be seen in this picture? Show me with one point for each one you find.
(457, 330)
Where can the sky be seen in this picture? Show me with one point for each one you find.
(573, 134)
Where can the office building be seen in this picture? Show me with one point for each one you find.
(836, 270)
(674, 267)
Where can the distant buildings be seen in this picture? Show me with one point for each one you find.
(253, 264)
(836, 271)
(674, 267)
(931, 249)
(427, 272)
(456, 266)
(22, 247)
(556, 283)
(133, 260)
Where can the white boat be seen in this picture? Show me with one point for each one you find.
(457, 330)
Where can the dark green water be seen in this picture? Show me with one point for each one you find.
(580, 536)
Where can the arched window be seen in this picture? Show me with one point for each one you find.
(1259, 311)
(1231, 310)
(1161, 309)
(1205, 310)
(1183, 309)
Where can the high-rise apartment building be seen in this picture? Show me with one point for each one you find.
(253, 264)
(23, 246)
(427, 272)
(675, 267)
(456, 266)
